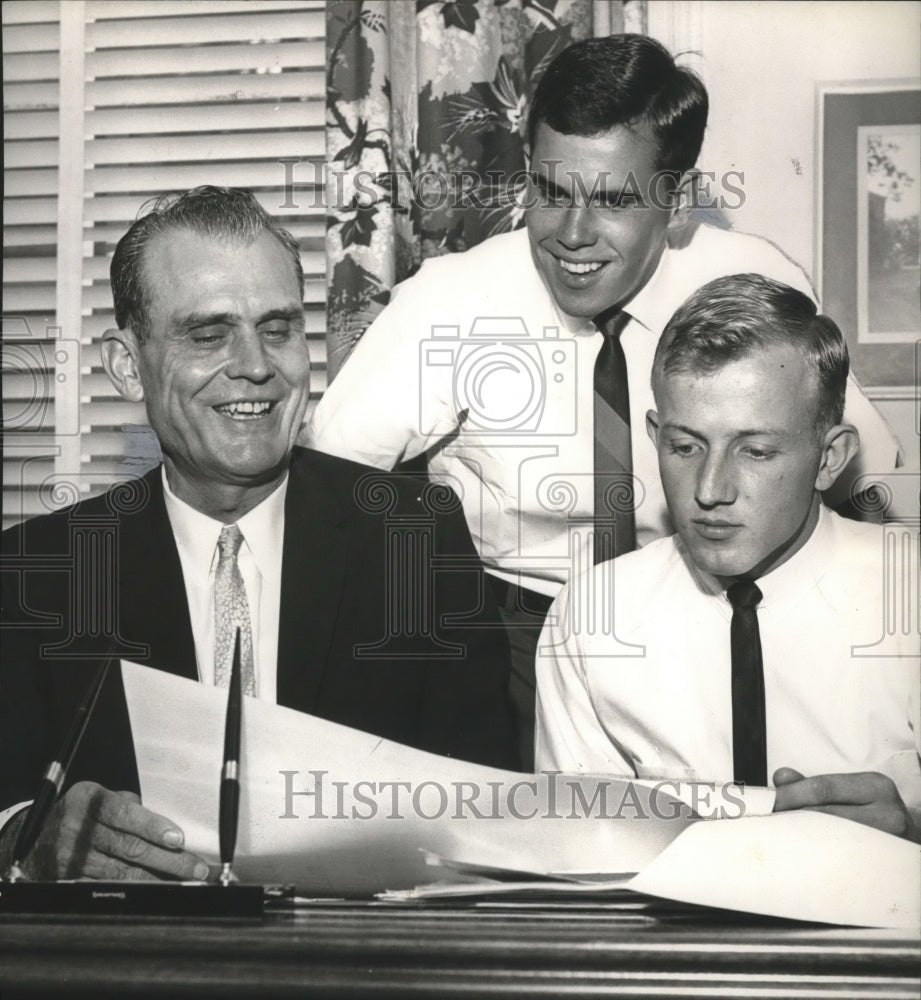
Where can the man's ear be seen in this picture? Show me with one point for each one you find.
(684, 197)
(120, 359)
(840, 444)
(652, 426)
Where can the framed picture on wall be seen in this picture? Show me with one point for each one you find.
(869, 223)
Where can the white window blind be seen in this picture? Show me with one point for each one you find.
(154, 97)
(31, 40)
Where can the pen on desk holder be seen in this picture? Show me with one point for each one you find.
(55, 775)
(230, 785)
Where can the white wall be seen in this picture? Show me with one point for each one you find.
(761, 60)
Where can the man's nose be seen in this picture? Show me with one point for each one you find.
(716, 482)
(249, 359)
(576, 228)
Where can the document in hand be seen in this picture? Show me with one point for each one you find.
(338, 812)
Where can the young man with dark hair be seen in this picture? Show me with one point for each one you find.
(750, 645)
(520, 369)
(238, 529)
(643, 83)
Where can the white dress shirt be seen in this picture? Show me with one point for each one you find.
(646, 691)
(480, 331)
(259, 559)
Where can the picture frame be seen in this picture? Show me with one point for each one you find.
(868, 227)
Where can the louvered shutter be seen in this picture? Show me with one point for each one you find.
(31, 39)
(171, 95)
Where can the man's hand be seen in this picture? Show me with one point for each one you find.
(98, 834)
(866, 797)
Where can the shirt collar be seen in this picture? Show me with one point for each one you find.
(652, 306)
(262, 528)
(803, 568)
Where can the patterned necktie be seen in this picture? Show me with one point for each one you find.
(749, 731)
(615, 530)
(231, 611)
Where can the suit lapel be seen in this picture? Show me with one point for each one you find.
(315, 556)
(153, 607)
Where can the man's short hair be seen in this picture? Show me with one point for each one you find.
(225, 213)
(600, 83)
(732, 317)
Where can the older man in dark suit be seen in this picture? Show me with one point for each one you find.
(309, 556)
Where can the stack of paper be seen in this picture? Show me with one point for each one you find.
(339, 812)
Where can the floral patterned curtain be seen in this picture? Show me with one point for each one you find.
(426, 110)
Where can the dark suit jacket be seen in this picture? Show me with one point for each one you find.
(362, 550)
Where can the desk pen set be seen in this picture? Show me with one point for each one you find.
(227, 898)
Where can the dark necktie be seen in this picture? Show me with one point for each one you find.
(749, 731)
(615, 530)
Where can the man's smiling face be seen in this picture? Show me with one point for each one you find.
(224, 369)
(597, 215)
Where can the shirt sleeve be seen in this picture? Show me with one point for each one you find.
(569, 736)
(905, 767)
(782, 267)
(392, 398)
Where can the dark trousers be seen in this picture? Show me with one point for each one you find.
(523, 613)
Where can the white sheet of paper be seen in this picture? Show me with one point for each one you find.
(803, 865)
(798, 865)
(297, 825)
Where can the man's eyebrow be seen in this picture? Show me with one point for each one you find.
(747, 432)
(599, 194)
(760, 432)
(617, 196)
(293, 314)
(670, 425)
(196, 320)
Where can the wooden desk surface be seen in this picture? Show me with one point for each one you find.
(356, 950)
